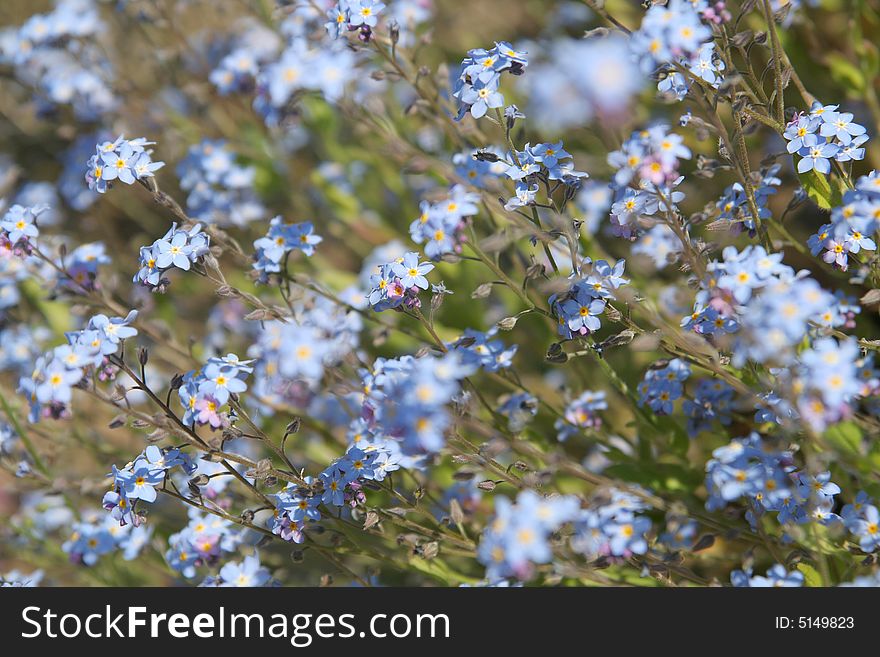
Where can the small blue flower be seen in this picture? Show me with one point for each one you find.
(839, 125)
(411, 272)
(816, 155)
(174, 252)
(798, 131)
(248, 573)
(482, 96)
(364, 12)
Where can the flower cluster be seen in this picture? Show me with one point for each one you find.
(733, 206)
(670, 34)
(824, 134)
(398, 283)
(247, 573)
(712, 401)
(50, 388)
(219, 190)
(339, 485)
(645, 179)
(770, 308)
(852, 224)
(480, 350)
(563, 93)
(768, 479)
(18, 228)
(862, 519)
(351, 15)
(518, 536)
(405, 399)
(615, 369)
(577, 310)
(580, 414)
(663, 385)
(613, 526)
(137, 482)
(299, 69)
(777, 576)
(242, 57)
(17, 579)
(95, 536)
(291, 356)
(203, 393)
(178, 248)
(479, 77)
(281, 67)
(539, 164)
(59, 55)
(79, 270)
(827, 380)
(440, 224)
(125, 160)
(272, 250)
(704, 65)
(201, 543)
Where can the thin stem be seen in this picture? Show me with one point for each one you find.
(776, 54)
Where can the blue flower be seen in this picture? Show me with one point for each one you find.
(174, 252)
(798, 131)
(662, 386)
(123, 160)
(777, 576)
(482, 351)
(364, 12)
(19, 224)
(177, 248)
(113, 330)
(57, 383)
(853, 150)
(411, 272)
(581, 413)
(220, 380)
(482, 96)
(219, 189)
(334, 487)
(279, 241)
(477, 85)
(628, 535)
(139, 482)
(247, 573)
(118, 164)
(839, 125)
(88, 543)
(582, 311)
(305, 351)
(816, 155)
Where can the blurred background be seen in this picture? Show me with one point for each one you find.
(358, 171)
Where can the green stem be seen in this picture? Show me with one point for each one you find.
(25, 439)
(776, 53)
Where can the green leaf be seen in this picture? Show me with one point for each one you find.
(845, 73)
(845, 436)
(870, 59)
(657, 476)
(820, 189)
(811, 575)
(679, 442)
